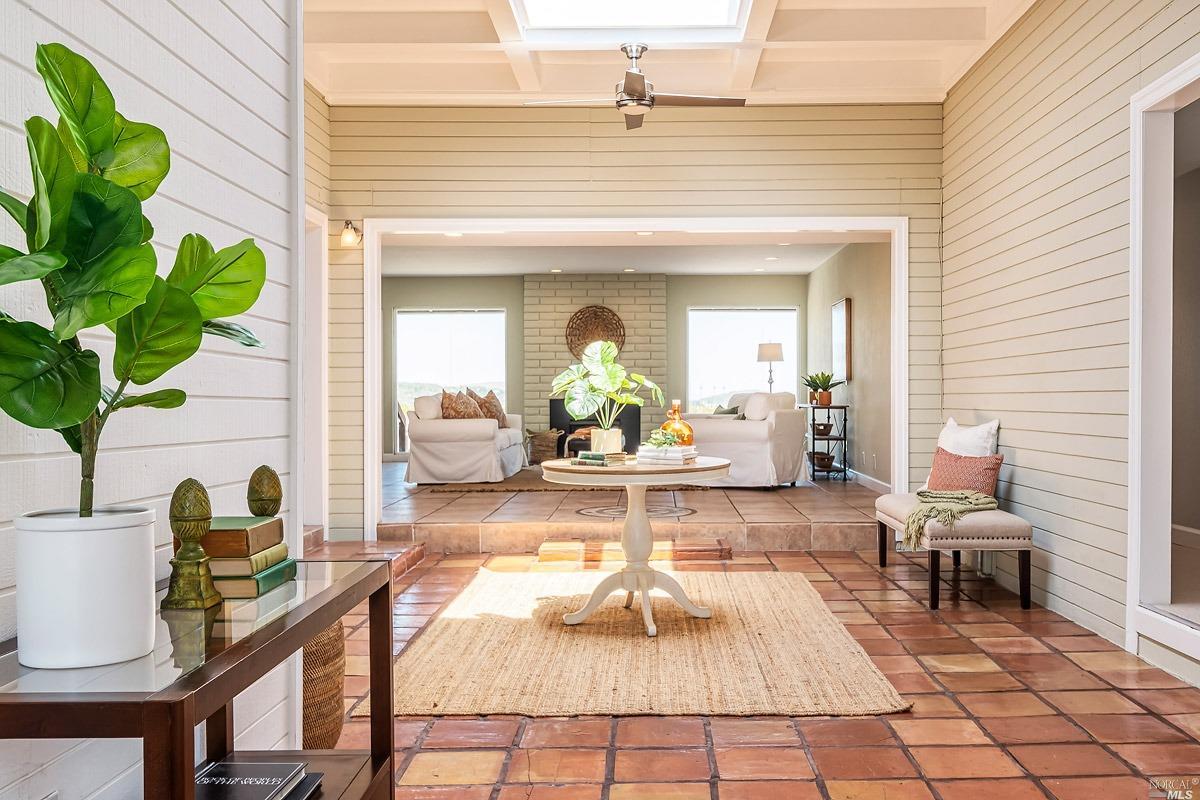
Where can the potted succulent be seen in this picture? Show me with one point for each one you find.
(600, 387)
(822, 385)
(85, 575)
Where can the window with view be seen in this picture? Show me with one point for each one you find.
(722, 353)
(449, 350)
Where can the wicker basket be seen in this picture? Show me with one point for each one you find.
(543, 446)
(324, 683)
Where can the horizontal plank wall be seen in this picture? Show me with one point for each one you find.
(218, 79)
(581, 162)
(316, 149)
(1035, 276)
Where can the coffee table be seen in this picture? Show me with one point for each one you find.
(636, 538)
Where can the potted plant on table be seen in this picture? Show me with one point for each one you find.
(600, 387)
(822, 385)
(85, 575)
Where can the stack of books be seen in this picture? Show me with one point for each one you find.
(247, 555)
(676, 455)
(245, 780)
(587, 458)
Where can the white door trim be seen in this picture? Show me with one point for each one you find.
(313, 329)
(374, 230)
(1151, 128)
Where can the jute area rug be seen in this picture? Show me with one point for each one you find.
(530, 479)
(771, 647)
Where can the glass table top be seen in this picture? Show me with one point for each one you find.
(185, 640)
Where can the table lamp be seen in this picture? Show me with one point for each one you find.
(770, 352)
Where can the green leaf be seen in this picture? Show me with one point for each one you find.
(194, 252)
(598, 355)
(74, 437)
(582, 400)
(626, 399)
(105, 290)
(103, 216)
(147, 230)
(24, 268)
(15, 208)
(225, 283)
(232, 331)
(607, 377)
(655, 391)
(141, 157)
(567, 378)
(77, 156)
(163, 398)
(54, 179)
(7, 252)
(45, 383)
(83, 99)
(162, 332)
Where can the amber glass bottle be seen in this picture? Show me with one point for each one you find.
(677, 425)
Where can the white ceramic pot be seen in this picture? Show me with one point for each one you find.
(606, 441)
(85, 587)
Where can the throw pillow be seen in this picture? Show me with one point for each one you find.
(490, 406)
(460, 406)
(428, 406)
(969, 440)
(724, 410)
(952, 472)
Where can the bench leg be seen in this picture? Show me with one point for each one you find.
(935, 568)
(884, 534)
(956, 555)
(1023, 570)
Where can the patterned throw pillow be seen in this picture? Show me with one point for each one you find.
(460, 406)
(490, 406)
(972, 473)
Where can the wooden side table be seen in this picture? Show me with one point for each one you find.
(637, 540)
(198, 666)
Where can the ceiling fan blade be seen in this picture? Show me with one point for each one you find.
(696, 100)
(590, 101)
(633, 121)
(635, 84)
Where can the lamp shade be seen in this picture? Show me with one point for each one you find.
(770, 351)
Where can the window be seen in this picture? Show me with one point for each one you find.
(630, 13)
(722, 352)
(448, 350)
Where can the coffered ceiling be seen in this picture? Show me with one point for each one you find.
(507, 52)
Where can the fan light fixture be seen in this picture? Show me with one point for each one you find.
(351, 236)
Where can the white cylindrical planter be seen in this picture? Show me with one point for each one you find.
(85, 587)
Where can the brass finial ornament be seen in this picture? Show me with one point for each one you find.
(191, 580)
(264, 495)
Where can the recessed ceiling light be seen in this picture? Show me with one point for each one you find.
(556, 269)
(452, 234)
(760, 269)
(772, 258)
(840, 230)
(645, 233)
(785, 244)
(629, 269)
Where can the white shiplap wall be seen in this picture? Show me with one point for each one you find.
(219, 78)
(575, 162)
(1035, 276)
(316, 149)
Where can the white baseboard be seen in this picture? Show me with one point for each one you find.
(871, 483)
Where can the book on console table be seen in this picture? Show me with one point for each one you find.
(666, 455)
(258, 584)
(240, 537)
(250, 565)
(241, 780)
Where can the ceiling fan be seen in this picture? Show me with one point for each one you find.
(636, 95)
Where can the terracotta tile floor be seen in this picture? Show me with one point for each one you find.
(1009, 704)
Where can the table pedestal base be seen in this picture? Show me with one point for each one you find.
(637, 541)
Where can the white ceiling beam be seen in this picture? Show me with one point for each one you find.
(747, 57)
(399, 27)
(508, 31)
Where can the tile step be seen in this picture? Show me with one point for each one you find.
(571, 549)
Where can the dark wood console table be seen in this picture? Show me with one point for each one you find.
(199, 664)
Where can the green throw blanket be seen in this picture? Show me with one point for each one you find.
(946, 507)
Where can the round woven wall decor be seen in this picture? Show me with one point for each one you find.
(594, 324)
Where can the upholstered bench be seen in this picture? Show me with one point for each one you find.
(978, 530)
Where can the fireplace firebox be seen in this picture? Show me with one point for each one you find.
(629, 421)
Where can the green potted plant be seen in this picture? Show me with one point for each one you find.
(822, 385)
(85, 575)
(598, 386)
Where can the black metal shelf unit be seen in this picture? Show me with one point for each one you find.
(837, 418)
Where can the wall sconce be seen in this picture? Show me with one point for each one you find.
(351, 235)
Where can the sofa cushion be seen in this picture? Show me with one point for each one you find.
(460, 406)
(978, 530)
(760, 404)
(428, 407)
(507, 437)
(490, 406)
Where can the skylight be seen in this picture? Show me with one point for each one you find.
(628, 14)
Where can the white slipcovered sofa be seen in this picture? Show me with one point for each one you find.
(766, 448)
(461, 450)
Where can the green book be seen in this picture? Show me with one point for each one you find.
(250, 565)
(257, 584)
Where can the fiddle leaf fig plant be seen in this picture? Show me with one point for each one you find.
(601, 387)
(87, 241)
